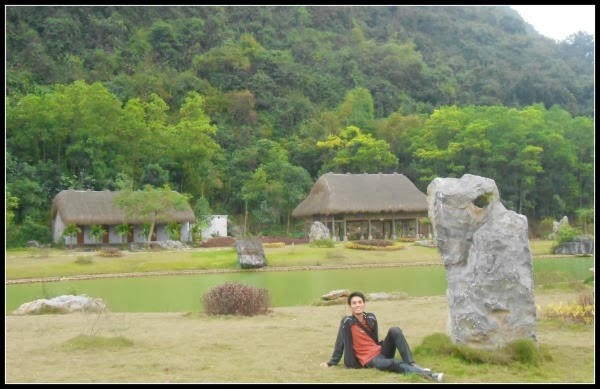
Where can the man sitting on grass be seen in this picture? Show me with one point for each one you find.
(358, 340)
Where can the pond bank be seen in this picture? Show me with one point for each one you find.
(220, 271)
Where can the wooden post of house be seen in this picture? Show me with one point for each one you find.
(417, 228)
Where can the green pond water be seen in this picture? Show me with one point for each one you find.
(183, 293)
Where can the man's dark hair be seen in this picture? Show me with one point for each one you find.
(354, 294)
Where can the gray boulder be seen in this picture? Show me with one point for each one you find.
(487, 258)
(61, 304)
(250, 254)
(318, 231)
(581, 245)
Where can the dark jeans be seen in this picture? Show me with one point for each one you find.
(395, 340)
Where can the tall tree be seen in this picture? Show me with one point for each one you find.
(355, 152)
(151, 204)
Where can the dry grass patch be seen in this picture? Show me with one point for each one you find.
(285, 346)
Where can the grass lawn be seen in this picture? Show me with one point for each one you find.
(285, 346)
(34, 263)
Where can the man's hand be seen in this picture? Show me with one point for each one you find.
(324, 364)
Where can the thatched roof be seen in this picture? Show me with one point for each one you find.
(362, 193)
(92, 207)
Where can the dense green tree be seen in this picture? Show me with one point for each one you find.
(192, 146)
(152, 204)
(275, 187)
(355, 152)
(203, 213)
(448, 90)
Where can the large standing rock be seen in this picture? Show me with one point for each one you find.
(556, 225)
(485, 250)
(251, 254)
(318, 231)
(579, 245)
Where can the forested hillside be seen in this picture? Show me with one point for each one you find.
(244, 108)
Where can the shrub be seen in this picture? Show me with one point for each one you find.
(223, 241)
(93, 342)
(521, 350)
(323, 243)
(274, 244)
(82, 260)
(110, 252)
(579, 311)
(375, 244)
(232, 298)
(567, 233)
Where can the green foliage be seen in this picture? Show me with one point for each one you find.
(84, 260)
(323, 243)
(585, 216)
(124, 230)
(184, 94)
(174, 230)
(151, 204)
(11, 204)
(31, 230)
(374, 244)
(203, 213)
(97, 232)
(233, 298)
(71, 231)
(95, 342)
(546, 226)
(523, 351)
(355, 152)
(146, 230)
(566, 233)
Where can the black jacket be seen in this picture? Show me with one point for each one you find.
(343, 342)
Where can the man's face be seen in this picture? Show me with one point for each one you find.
(357, 305)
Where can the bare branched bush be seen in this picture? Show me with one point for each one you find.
(586, 299)
(232, 298)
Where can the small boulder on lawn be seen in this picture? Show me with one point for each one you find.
(61, 304)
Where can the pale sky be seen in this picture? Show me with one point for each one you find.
(559, 21)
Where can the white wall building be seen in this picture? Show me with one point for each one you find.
(217, 227)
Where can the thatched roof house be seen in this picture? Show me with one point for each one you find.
(338, 200)
(86, 208)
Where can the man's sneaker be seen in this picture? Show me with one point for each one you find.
(438, 377)
(419, 367)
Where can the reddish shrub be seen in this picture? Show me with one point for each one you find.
(223, 241)
(375, 242)
(232, 298)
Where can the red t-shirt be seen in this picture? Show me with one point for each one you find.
(364, 346)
